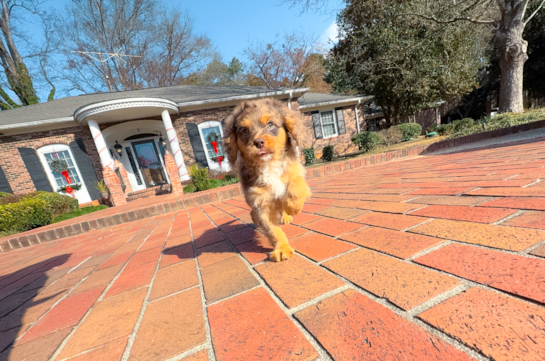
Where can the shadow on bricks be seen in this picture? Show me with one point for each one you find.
(22, 303)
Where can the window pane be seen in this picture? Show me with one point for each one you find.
(329, 130)
(59, 178)
(209, 146)
(327, 117)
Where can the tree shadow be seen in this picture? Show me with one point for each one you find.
(18, 294)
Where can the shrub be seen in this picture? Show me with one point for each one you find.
(200, 178)
(410, 130)
(463, 124)
(390, 136)
(310, 156)
(327, 153)
(4, 194)
(27, 214)
(59, 203)
(445, 129)
(366, 141)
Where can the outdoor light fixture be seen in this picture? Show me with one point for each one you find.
(118, 148)
(163, 141)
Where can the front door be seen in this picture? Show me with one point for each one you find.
(149, 163)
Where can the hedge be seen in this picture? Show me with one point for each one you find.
(366, 141)
(410, 130)
(26, 214)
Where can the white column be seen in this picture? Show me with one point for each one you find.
(100, 143)
(174, 145)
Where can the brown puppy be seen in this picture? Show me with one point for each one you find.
(265, 133)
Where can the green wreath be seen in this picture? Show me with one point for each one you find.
(58, 165)
(213, 137)
(75, 187)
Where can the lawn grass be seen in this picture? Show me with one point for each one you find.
(78, 212)
(213, 183)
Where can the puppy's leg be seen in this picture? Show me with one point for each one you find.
(255, 217)
(286, 218)
(297, 193)
(269, 224)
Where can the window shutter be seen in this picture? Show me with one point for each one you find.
(85, 167)
(196, 144)
(317, 124)
(4, 184)
(35, 169)
(339, 114)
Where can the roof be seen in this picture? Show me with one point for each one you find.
(309, 100)
(181, 94)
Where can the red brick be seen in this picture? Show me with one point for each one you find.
(396, 243)
(251, 326)
(244, 235)
(450, 200)
(116, 259)
(98, 329)
(500, 327)
(215, 253)
(463, 213)
(319, 247)
(350, 326)
(230, 225)
(508, 272)
(333, 227)
(174, 279)
(197, 356)
(256, 250)
(170, 327)
(510, 238)
(293, 231)
(517, 203)
(341, 213)
(98, 279)
(303, 218)
(388, 207)
(226, 278)
(313, 208)
(389, 220)
(297, 281)
(112, 351)
(176, 254)
(208, 237)
(38, 350)
(530, 219)
(401, 283)
(509, 192)
(540, 251)
(131, 279)
(66, 313)
(441, 191)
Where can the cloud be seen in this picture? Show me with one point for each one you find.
(330, 35)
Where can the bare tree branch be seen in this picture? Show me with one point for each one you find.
(535, 12)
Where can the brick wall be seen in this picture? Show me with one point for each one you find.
(12, 163)
(343, 144)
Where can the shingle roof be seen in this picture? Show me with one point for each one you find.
(314, 99)
(65, 107)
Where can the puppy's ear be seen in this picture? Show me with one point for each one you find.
(230, 132)
(295, 125)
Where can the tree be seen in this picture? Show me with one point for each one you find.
(407, 64)
(534, 69)
(163, 46)
(290, 61)
(217, 73)
(18, 78)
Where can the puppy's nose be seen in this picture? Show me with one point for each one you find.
(259, 143)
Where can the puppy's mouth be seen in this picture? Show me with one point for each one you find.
(262, 153)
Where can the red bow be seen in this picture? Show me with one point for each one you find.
(66, 176)
(215, 145)
(220, 159)
(69, 190)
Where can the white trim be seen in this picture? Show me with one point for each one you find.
(335, 102)
(82, 195)
(37, 123)
(211, 164)
(334, 123)
(242, 97)
(87, 110)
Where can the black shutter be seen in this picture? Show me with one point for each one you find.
(87, 173)
(35, 169)
(317, 124)
(196, 144)
(4, 184)
(340, 120)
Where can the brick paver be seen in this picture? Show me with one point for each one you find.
(438, 257)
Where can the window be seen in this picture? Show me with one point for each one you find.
(209, 147)
(62, 155)
(329, 128)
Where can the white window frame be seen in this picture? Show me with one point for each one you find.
(211, 164)
(334, 124)
(81, 195)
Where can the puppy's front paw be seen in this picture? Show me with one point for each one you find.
(281, 253)
(294, 206)
(286, 218)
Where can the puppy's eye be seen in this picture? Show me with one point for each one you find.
(244, 131)
(270, 125)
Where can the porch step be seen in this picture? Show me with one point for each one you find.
(148, 192)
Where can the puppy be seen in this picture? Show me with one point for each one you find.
(266, 133)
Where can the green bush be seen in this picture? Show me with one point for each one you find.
(390, 136)
(27, 214)
(463, 124)
(410, 130)
(200, 177)
(366, 141)
(59, 203)
(327, 153)
(310, 156)
(4, 194)
(445, 129)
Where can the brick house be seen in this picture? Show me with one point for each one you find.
(140, 141)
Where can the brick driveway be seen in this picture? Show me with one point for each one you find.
(431, 258)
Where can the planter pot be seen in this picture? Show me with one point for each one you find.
(105, 194)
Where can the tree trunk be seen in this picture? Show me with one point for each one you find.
(512, 48)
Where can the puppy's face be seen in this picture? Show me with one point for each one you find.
(261, 130)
